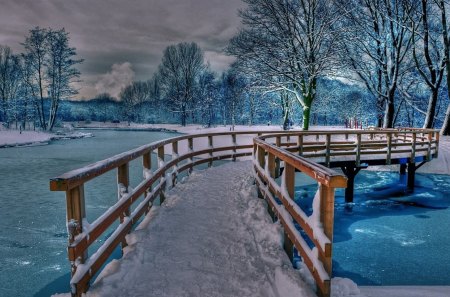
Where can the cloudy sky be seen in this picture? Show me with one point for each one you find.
(122, 40)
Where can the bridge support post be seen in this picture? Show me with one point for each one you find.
(402, 173)
(411, 176)
(350, 172)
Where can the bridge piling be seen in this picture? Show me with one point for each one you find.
(411, 176)
(350, 171)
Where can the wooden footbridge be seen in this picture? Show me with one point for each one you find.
(277, 156)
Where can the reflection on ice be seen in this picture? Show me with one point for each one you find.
(387, 233)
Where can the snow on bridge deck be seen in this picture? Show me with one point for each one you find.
(212, 237)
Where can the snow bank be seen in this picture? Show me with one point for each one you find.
(13, 138)
(9, 138)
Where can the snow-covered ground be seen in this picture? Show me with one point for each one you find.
(213, 237)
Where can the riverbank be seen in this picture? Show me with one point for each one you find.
(16, 138)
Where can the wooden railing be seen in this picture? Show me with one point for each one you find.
(361, 145)
(319, 226)
(303, 151)
(174, 156)
(189, 151)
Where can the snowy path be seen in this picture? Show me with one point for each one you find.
(212, 237)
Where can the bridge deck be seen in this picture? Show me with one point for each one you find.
(211, 237)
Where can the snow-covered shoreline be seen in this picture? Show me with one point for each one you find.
(14, 138)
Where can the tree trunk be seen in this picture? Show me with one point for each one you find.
(306, 116)
(431, 110)
(183, 115)
(390, 112)
(445, 130)
(286, 119)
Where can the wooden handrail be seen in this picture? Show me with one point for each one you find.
(319, 226)
(152, 187)
(187, 154)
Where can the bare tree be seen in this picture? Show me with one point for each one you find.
(133, 95)
(233, 86)
(36, 50)
(9, 80)
(207, 93)
(445, 130)
(61, 70)
(179, 70)
(377, 46)
(51, 70)
(292, 40)
(428, 56)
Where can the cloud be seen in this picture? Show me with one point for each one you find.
(115, 80)
(107, 32)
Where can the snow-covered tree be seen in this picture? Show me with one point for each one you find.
(377, 46)
(51, 70)
(9, 82)
(293, 41)
(207, 98)
(445, 130)
(233, 86)
(60, 72)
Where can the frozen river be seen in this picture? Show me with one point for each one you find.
(402, 240)
(377, 242)
(33, 237)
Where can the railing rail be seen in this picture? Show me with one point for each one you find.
(189, 151)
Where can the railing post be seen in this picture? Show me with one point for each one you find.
(261, 157)
(288, 139)
(123, 182)
(190, 150)
(277, 160)
(271, 164)
(76, 212)
(175, 166)
(289, 181)
(147, 164)
(430, 139)
(358, 149)
(163, 173)
(210, 146)
(300, 144)
(413, 147)
(436, 134)
(233, 138)
(327, 220)
(389, 148)
(327, 150)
